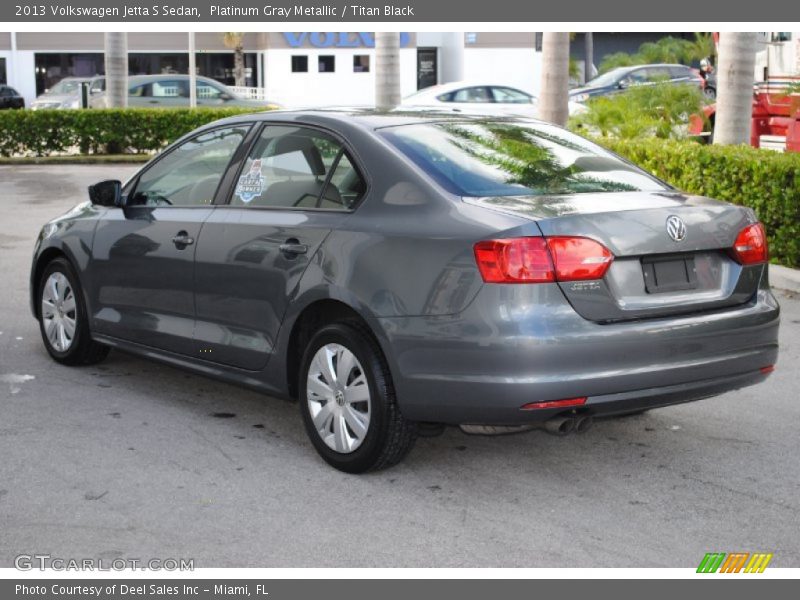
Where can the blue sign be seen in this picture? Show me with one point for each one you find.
(337, 39)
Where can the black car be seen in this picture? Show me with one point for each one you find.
(622, 78)
(10, 98)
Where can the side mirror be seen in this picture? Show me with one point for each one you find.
(106, 193)
(623, 84)
(225, 97)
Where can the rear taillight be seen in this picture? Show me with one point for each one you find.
(578, 258)
(515, 260)
(750, 247)
(541, 260)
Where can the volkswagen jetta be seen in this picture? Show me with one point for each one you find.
(395, 273)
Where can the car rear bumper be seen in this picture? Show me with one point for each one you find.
(520, 344)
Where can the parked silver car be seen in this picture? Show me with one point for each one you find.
(66, 93)
(172, 91)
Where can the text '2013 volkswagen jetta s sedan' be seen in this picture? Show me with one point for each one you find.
(392, 272)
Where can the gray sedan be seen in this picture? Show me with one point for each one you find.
(172, 91)
(398, 273)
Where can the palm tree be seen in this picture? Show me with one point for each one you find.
(235, 41)
(554, 96)
(116, 59)
(737, 56)
(387, 69)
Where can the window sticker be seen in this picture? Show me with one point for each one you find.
(251, 184)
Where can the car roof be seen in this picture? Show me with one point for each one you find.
(457, 85)
(368, 118)
(168, 76)
(631, 67)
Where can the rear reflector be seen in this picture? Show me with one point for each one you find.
(767, 369)
(555, 404)
(541, 260)
(750, 247)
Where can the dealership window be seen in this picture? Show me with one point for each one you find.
(299, 64)
(326, 63)
(50, 68)
(3, 70)
(361, 63)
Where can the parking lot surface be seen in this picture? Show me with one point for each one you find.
(134, 459)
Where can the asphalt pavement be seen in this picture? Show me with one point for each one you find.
(138, 460)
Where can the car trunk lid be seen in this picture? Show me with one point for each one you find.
(671, 250)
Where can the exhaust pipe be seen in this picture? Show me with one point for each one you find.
(583, 424)
(559, 425)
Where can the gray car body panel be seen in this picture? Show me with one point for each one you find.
(459, 350)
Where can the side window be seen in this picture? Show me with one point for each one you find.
(297, 167)
(658, 74)
(139, 91)
(510, 96)
(679, 73)
(473, 94)
(170, 89)
(638, 76)
(207, 91)
(189, 174)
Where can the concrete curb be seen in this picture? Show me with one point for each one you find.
(784, 278)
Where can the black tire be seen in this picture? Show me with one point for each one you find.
(82, 350)
(389, 435)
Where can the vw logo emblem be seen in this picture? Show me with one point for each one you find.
(676, 228)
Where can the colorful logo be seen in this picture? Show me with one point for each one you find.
(251, 184)
(735, 562)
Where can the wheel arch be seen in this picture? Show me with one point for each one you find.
(46, 256)
(315, 314)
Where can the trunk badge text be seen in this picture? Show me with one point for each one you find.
(585, 286)
(676, 228)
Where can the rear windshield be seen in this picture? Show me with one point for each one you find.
(515, 159)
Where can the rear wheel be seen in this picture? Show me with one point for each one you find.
(63, 319)
(348, 402)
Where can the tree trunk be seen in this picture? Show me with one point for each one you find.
(554, 96)
(737, 55)
(588, 54)
(387, 69)
(238, 66)
(116, 59)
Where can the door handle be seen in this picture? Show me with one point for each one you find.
(292, 247)
(182, 240)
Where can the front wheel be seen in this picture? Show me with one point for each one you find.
(348, 402)
(63, 319)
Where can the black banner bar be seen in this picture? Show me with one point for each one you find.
(391, 11)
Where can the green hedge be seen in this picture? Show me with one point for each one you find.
(132, 130)
(766, 181)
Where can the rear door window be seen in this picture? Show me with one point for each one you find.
(298, 167)
(472, 95)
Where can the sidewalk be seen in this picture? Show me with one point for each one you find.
(784, 278)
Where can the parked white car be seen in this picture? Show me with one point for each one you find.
(479, 98)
